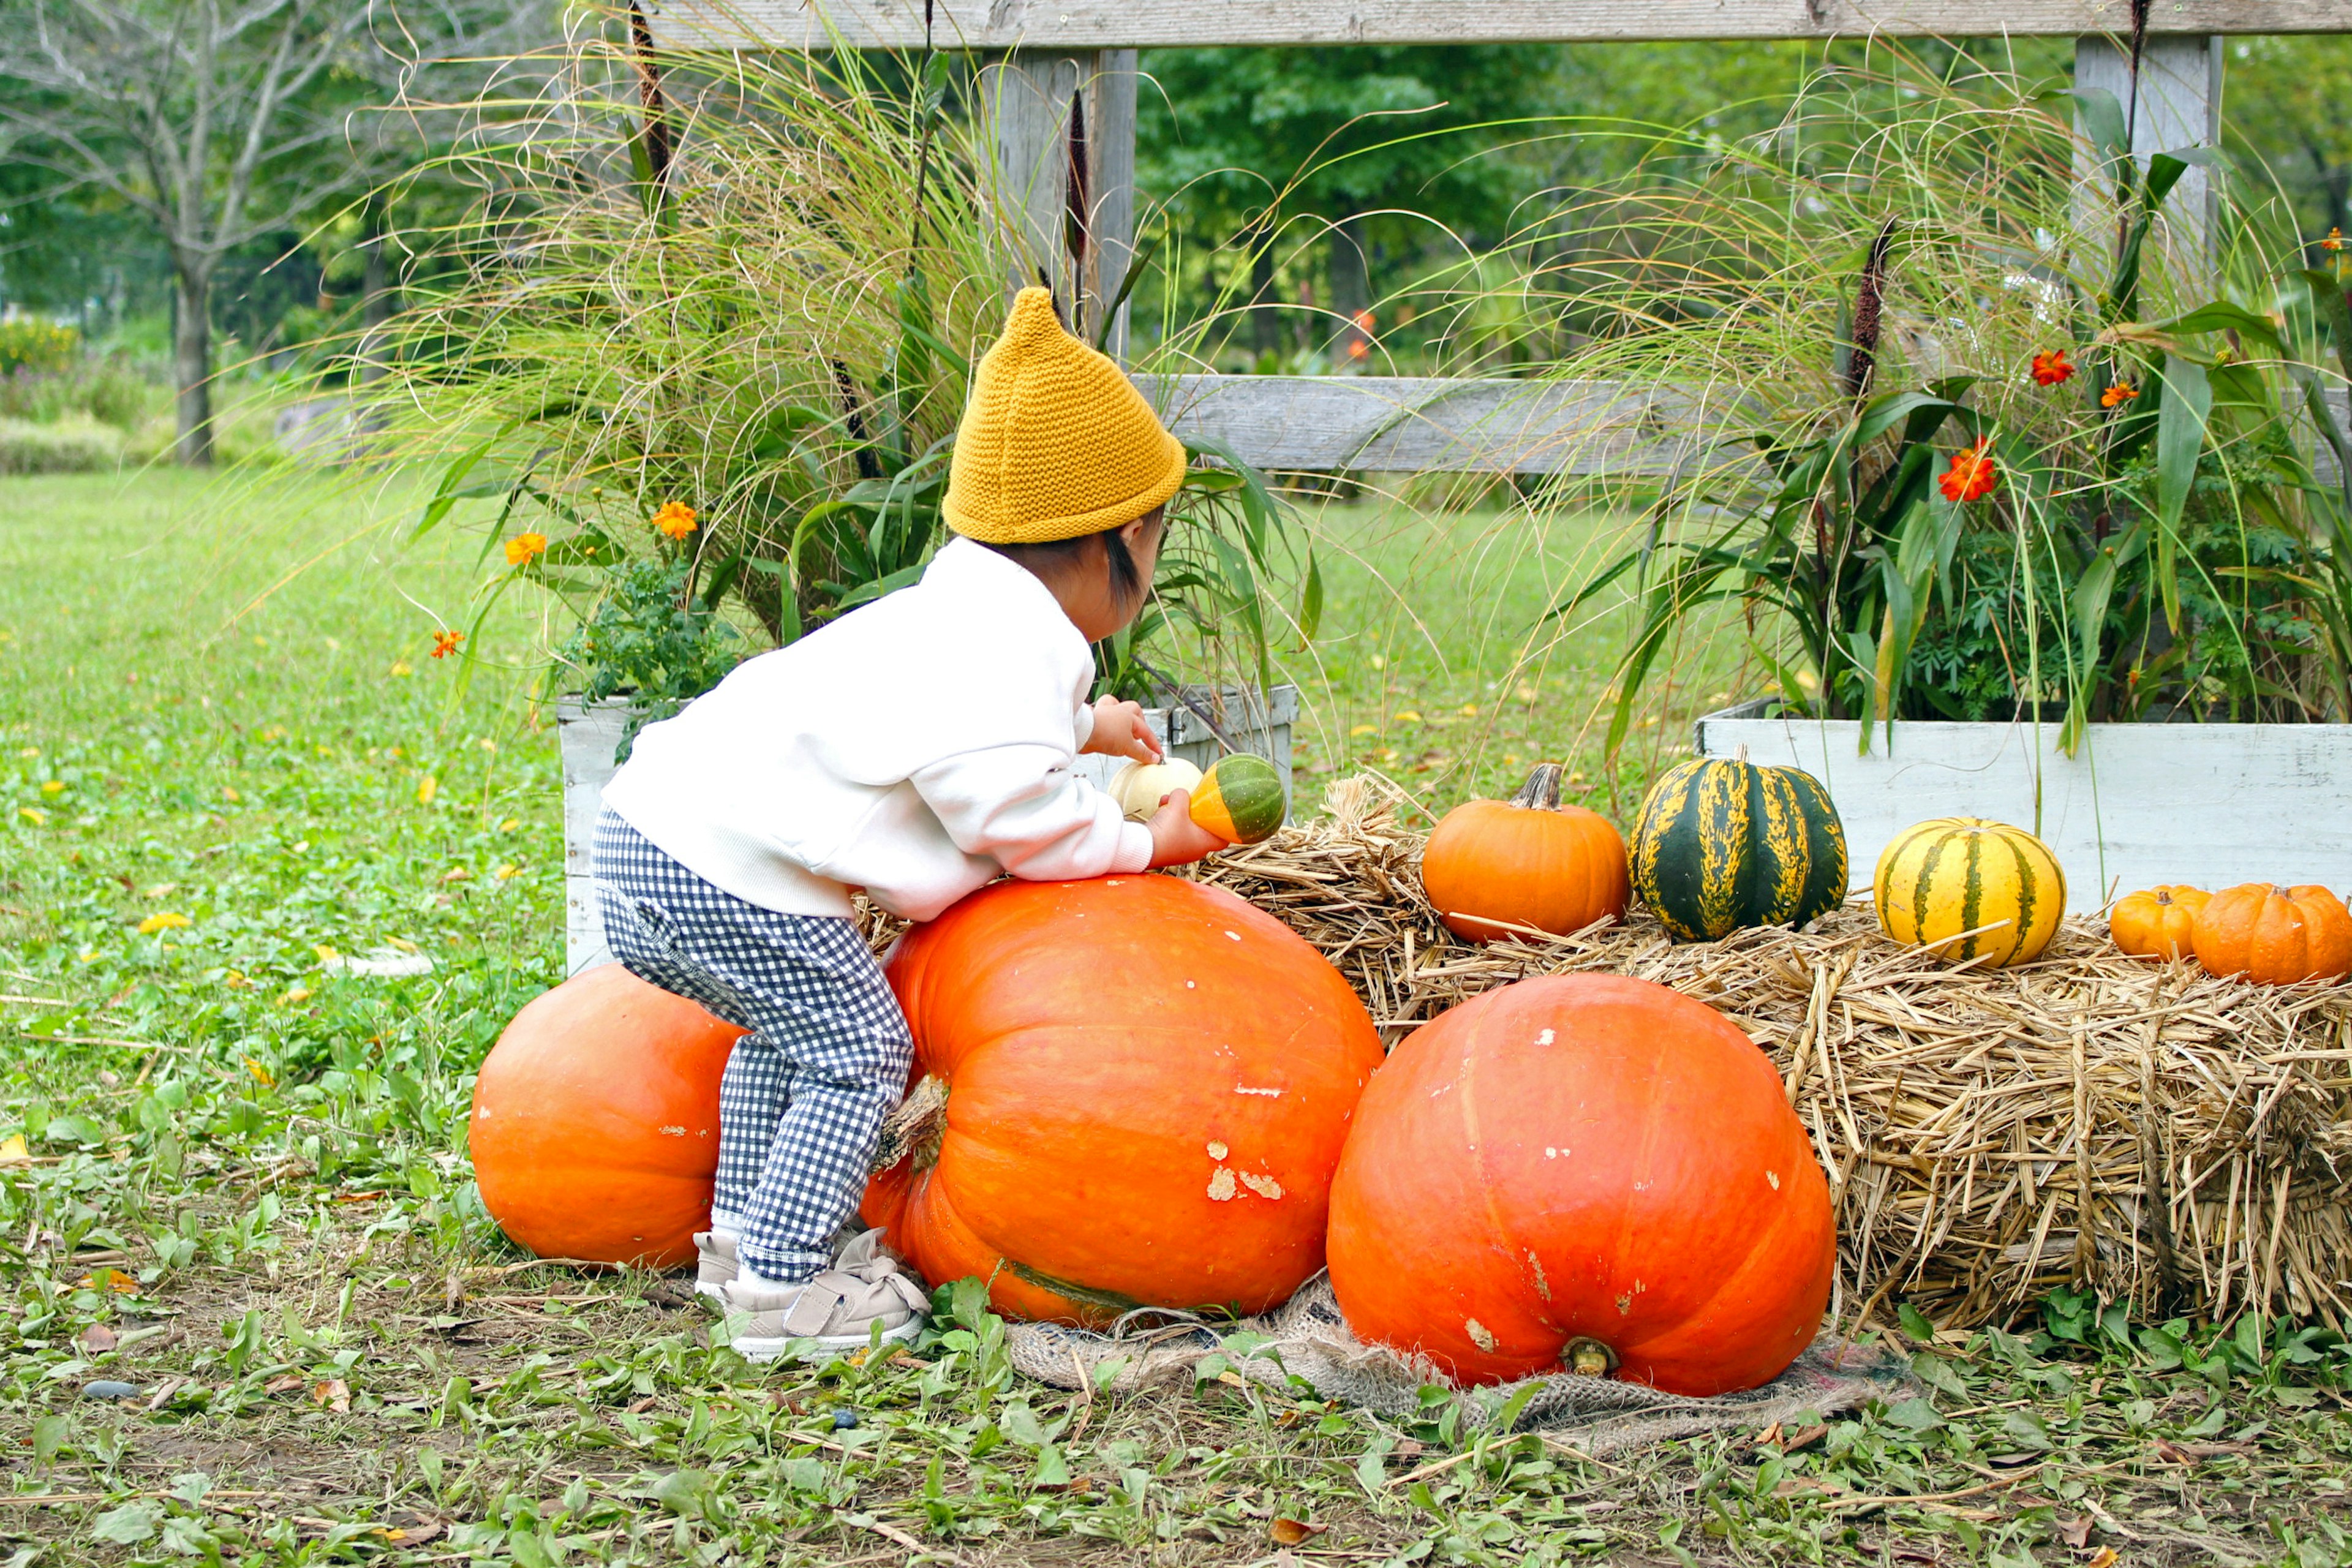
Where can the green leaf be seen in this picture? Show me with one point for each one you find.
(1310, 603)
(2220, 315)
(49, 1437)
(1372, 1468)
(1914, 1415)
(2180, 425)
(128, 1525)
(1915, 1324)
(2101, 116)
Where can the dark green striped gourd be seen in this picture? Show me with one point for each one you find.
(1725, 843)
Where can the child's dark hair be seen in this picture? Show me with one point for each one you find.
(1059, 555)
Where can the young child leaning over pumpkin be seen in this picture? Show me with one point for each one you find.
(914, 749)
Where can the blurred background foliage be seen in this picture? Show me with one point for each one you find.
(1374, 165)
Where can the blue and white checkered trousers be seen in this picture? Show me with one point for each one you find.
(804, 1093)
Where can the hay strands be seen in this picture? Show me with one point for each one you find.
(2162, 1136)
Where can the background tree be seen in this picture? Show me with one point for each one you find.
(1239, 140)
(221, 121)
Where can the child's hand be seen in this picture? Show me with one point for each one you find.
(1176, 838)
(1120, 731)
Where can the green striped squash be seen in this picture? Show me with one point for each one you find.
(1970, 888)
(1239, 799)
(1724, 843)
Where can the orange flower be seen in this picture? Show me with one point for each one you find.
(1359, 349)
(1972, 475)
(2051, 368)
(525, 548)
(445, 643)
(675, 520)
(2121, 393)
(2334, 240)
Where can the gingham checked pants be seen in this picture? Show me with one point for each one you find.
(804, 1093)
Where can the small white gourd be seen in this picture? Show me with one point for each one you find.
(1138, 787)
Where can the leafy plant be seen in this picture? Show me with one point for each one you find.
(2082, 490)
(764, 311)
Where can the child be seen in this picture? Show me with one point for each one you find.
(914, 749)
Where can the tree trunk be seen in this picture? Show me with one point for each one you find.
(1265, 319)
(376, 296)
(1351, 292)
(192, 364)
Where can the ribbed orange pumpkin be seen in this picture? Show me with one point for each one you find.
(1147, 1085)
(1527, 861)
(1583, 1158)
(2157, 923)
(2274, 936)
(595, 1124)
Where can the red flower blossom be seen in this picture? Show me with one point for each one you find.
(445, 643)
(2334, 240)
(1972, 475)
(2050, 369)
(2121, 393)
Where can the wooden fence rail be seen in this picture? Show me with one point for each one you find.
(1074, 24)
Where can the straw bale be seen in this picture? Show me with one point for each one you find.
(2163, 1137)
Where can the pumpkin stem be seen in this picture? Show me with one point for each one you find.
(1588, 1357)
(916, 1128)
(1541, 792)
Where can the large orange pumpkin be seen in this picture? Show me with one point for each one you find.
(2157, 923)
(2272, 935)
(595, 1124)
(1147, 1085)
(1590, 1167)
(1527, 861)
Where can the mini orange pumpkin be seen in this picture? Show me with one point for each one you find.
(1527, 861)
(2157, 923)
(2275, 935)
(595, 1124)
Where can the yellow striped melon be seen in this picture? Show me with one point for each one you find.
(1970, 888)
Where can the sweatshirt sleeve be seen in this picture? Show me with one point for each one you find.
(1021, 806)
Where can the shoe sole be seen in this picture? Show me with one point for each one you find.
(820, 1347)
(713, 1289)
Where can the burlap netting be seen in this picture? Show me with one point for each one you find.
(1308, 1339)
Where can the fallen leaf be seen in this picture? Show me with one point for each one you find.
(113, 1279)
(13, 1151)
(1289, 1532)
(638, 1407)
(1803, 1437)
(285, 1384)
(2105, 1558)
(2074, 1529)
(416, 1532)
(97, 1339)
(334, 1394)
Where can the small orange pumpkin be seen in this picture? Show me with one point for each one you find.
(1493, 865)
(595, 1124)
(2274, 936)
(2157, 923)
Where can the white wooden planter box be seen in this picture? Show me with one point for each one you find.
(2207, 804)
(589, 732)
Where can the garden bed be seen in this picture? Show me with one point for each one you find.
(2169, 1138)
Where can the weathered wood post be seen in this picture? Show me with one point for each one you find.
(2175, 103)
(1062, 129)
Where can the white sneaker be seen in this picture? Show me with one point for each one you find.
(716, 1263)
(833, 1312)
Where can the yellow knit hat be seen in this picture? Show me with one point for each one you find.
(1056, 442)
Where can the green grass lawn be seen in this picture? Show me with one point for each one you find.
(242, 1185)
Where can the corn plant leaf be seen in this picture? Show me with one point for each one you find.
(2180, 425)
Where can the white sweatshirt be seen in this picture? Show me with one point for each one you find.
(915, 747)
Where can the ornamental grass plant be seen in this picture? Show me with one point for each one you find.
(1991, 419)
(698, 373)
